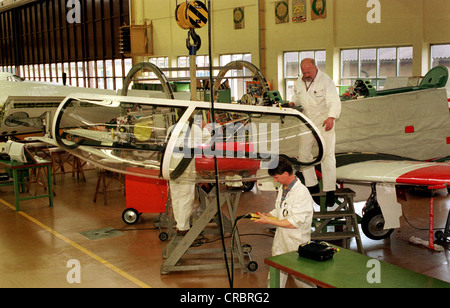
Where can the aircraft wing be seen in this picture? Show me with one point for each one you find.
(396, 172)
(383, 176)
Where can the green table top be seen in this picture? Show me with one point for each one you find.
(349, 269)
(12, 164)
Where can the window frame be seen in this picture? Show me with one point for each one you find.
(100, 74)
(289, 81)
(432, 65)
(186, 73)
(237, 85)
(378, 80)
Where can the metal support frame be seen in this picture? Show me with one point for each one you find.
(181, 245)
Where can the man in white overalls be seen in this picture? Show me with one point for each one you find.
(182, 190)
(316, 93)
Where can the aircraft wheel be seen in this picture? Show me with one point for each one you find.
(130, 216)
(372, 224)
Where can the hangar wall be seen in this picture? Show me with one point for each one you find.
(38, 33)
(417, 23)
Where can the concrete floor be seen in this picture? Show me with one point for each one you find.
(38, 244)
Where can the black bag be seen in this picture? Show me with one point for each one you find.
(319, 251)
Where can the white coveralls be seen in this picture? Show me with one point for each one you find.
(297, 208)
(182, 190)
(320, 101)
(182, 194)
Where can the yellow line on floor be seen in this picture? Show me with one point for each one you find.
(79, 247)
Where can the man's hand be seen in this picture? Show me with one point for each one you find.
(328, 124)
(267, 219)
(264, 219)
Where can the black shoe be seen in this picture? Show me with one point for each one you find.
(329, 202)
(182, 232)
(315, 190)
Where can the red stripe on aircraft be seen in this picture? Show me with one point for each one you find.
(203, 163)
(432, 175)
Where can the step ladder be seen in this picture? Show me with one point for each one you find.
(343, 215)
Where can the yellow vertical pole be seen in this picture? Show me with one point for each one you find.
(193, 75)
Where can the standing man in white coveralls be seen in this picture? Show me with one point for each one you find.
(182, 190)
(292, 215)
(316, 93)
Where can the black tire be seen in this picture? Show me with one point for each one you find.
(252, 266)
(372, 224)
(130, 216)
(163, 236)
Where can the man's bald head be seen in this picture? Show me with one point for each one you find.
(309, 69)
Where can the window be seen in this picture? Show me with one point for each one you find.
(47, 71)
(81, 73)
(440, 55)
(375, 64)
(100, 75)
(182, 62)
(202, 62)
(292, 69)
(160, 62)
(54, 72)
(39, 71)
(91, 74)
(237, 85)
(8, 69)
(73, 75)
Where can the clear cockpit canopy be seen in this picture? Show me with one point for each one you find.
(183, 140)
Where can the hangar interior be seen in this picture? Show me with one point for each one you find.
(91, 46)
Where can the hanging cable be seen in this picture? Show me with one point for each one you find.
(211, 80)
